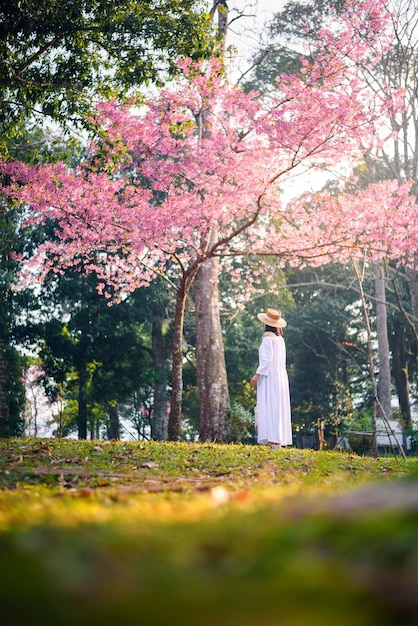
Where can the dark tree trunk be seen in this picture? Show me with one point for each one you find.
(215, 410)
(222, 8)
(159, 423)
(412, 279)
(114, 423)
(82, 404)
(400, 372)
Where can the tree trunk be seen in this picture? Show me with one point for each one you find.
(215, 410)
(82, 404)
(114, 423)
(384, 385)
(400, 373)
(222, 8)
(412, 279)
(159, 423)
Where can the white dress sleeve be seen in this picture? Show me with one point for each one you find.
(265, 355)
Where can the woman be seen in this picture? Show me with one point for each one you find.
(273, 419)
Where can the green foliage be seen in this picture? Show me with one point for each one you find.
(411, 431)
(358, 427)
(242, 423)
(85, 342)
(303, 20)
(325, 356)
(32, 143)
(226, 534)
(12, 393)
(242, 329)
(57, 57)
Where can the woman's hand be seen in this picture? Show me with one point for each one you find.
(254, 380)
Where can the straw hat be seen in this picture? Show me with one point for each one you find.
(273, 317)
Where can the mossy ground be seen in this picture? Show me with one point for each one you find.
(205, 534)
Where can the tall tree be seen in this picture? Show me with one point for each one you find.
(123, 359)
(384, 384)
(214, 402)
(372, 173)
(402, 342)
(287, 40)
(155, 304)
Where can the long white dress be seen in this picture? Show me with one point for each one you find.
(273, 416)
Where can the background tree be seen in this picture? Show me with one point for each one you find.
(89, 352)
(403, 339)
(124, 362)
(327, 367)
(56, 58)
(287, 39)
(154, 305)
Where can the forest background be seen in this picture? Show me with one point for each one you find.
(105, 370)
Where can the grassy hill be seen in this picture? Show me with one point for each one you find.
(205, 534)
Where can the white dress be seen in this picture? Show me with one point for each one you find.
(273, 417)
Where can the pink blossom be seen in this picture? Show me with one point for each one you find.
(205, 156)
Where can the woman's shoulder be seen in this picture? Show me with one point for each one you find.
(270, 335)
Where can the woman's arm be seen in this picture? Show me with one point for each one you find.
(265, 356)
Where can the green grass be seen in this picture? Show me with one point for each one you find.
(205, 534)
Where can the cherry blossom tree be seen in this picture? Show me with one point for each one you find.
(156, 187)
